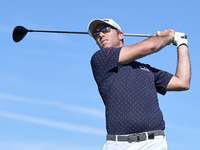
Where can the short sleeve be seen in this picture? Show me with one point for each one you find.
(162, 79)
(104, 63)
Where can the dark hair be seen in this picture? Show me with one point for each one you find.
(118, 33)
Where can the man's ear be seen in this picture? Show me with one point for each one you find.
(121, 35)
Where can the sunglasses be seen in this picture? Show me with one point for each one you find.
(103, 30)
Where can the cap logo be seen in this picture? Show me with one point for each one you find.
(105, 20)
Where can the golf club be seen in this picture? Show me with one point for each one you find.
(20, 32)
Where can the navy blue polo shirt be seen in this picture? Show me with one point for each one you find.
(129, 93)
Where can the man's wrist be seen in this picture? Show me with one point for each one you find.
(171, 38)
(182, 42)
(182, 46)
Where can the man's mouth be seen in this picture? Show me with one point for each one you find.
(102, 41)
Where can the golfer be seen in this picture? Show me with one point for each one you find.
(129, 88)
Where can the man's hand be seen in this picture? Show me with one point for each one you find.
(180, 39)
(167, 33)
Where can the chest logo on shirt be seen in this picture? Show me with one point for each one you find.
(144, 68)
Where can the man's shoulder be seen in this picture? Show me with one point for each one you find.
(105, 52)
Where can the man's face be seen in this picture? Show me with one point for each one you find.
(109, 39)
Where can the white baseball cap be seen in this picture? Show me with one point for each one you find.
(94, 23)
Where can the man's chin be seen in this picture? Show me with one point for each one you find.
(105, 46)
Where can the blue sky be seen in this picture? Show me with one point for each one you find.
(48, 97)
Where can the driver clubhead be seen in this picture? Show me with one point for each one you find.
(19, 33)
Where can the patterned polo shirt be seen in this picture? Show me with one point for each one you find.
(129, 93)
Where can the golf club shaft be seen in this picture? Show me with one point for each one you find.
(139, 35)
(58, 31)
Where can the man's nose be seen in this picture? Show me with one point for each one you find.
(101, 34)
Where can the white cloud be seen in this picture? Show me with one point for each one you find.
(13, 145)
(75, 108)
(54, 124)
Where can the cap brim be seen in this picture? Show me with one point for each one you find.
(93, 24)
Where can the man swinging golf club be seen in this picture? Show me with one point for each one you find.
(129, 88)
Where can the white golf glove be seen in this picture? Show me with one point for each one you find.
(180, 39)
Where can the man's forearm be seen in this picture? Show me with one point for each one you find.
(183, 71)
(144, 48)
(159, 42)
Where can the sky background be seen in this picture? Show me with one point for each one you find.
(48, 97)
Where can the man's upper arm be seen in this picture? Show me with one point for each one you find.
(175, 84)
(132, 52)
